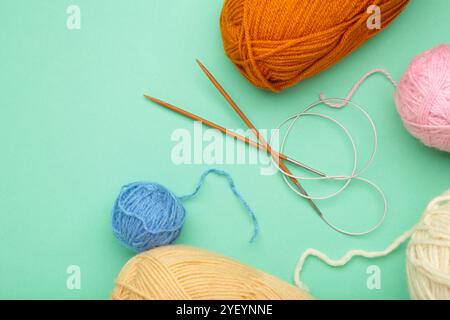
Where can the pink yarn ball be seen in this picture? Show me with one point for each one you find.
(423, 98)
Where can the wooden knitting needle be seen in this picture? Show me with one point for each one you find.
(260, 138)
(229, 132)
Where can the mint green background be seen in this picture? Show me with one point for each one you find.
(74, 128)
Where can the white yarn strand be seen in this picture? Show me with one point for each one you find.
(346, 258)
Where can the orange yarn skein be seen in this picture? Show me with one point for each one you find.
(278, 43)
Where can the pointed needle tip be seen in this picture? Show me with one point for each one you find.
(150, 97)
(200, 64)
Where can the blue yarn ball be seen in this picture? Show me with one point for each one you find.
(147, 215)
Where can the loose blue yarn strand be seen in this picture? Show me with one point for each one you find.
(233, 188)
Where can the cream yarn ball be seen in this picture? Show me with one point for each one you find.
(428, 253)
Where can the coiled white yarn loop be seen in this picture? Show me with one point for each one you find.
(355, 174)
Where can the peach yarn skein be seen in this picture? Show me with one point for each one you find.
(180, 272)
